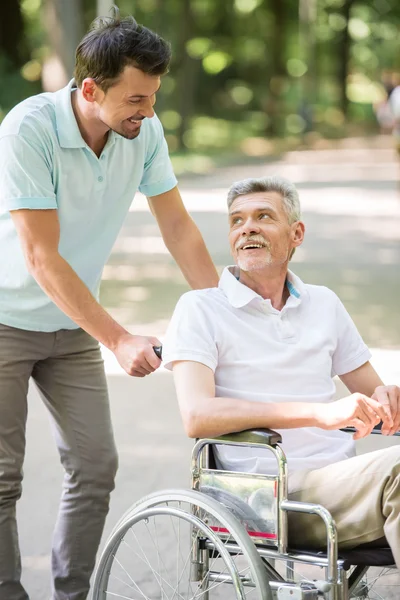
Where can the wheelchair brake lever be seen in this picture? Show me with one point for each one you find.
(158, 351)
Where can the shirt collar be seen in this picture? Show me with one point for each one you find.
(69, 134)
(240, 295)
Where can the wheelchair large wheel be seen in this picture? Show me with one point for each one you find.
(379, 583)
(169, 547)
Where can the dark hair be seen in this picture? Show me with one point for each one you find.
(112, 43)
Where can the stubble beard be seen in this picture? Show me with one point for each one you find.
(128, 136)
(254, 264)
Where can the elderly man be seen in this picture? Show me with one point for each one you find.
(261, 350)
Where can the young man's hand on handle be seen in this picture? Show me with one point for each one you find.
(136, 355)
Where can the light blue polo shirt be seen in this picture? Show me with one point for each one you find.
(45, 163)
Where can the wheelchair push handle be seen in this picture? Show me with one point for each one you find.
(158, 351)
(376, 430)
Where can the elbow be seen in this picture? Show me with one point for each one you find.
(193, 425)
(36, 261)
(33, 262)
(182, 231)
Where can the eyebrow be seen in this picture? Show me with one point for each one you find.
(258, 210)
(139, 96)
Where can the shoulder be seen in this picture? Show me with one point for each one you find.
(152, 135)
(395, 95)
(322, 300)
(32, 121)
(36, 112)
(204, 303)
(321, 293)
(204, 298)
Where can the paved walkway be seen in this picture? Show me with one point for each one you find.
(352, 212)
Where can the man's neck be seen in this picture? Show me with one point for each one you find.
(93, 131)
(269, 283)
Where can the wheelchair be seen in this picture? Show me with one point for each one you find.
(227, 539)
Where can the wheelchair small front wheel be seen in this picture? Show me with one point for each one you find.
(168, 547)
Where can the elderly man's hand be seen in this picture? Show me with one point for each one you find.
(357, 411)
(389, 397)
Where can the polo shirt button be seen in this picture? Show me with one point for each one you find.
(100, 178)
(103, 156)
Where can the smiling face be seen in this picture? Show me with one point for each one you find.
(125, 104)
(260, 234)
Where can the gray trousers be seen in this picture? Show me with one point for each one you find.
(68, 370)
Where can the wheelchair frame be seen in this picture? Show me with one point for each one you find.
(258, 533)
(337, 586)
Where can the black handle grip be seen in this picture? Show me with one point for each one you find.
(158, 351)
(376, 430)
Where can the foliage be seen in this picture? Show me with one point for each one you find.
(245, 70)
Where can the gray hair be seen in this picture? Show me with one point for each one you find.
(282, 186)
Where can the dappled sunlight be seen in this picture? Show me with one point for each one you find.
(137, 245)
(135, 294)
(150, 271)
(37, 563)
(143, 451)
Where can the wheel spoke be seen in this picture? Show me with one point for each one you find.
(119, 595)
(154, 572)
(134, 582)
(186, 562)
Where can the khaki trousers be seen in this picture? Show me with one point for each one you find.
(67, 368)
(361, 493)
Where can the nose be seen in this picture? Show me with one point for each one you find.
(250, 227)
(146, 110)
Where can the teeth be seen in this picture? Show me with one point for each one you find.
(252, 246)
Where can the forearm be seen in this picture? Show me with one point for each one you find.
(212, 417)
(63, 286)
(191, 254)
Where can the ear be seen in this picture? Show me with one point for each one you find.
(298, 231)
(89, 90)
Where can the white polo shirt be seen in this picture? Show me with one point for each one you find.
(262, 354)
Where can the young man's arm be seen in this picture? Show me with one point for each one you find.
(183, 239)
(39, 234)
(205, 415)
(367, 381)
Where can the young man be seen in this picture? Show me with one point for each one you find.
(70, 164)
(261, 350)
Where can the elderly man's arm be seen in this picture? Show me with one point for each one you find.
(367, 381)
(205, 415)
(183, 239)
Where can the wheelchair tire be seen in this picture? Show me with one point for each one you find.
(140, 560)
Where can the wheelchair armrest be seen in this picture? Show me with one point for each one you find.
(268, 437)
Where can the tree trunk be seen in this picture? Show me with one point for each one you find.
(344, 55)
(185, 72)
(64, 25)
(103, 7)
(308, 93)
(12, 33)
(278, 71)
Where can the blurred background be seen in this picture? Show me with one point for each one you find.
(248, 76)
